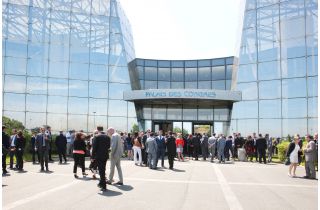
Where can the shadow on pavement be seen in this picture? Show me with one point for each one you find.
(110, 193)
(178, 170)
(21, 172)
(124, 187)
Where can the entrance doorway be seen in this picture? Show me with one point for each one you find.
(164, 126)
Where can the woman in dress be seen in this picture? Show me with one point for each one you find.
(79, 151)
(180, 144)
(292, 154)
(129, 147)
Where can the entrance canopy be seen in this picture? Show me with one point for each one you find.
(177, 96)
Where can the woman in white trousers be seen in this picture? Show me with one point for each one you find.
(137, 149)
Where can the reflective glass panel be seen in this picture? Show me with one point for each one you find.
(221, 114)
(150, 85)
(293, 126)
(37, 85)
(219, 85)
(245, 109)
(218, 73)
(174, 113)
(312, 65)
(177, 85)
(205, 113)
(15, 66)
(191, 74)
(163, 85)
(312, 86)
(313, 107)
(78, 105)
(15, 84)
(247, 73)
(79, 71)
(78, 88)
(189, 113)
(37, 67)
(294, 67)
(99, 106)
(204, 73)
(57, 121)
(118, 123)
(58, 87)
(146, 112)
(177, 74)
(116, 90)
(249, 90)
(119, 74)
(204, 85)
(77, 122)
(164, 74)
(293, 108)
(159, 112)
(98, 89)
(190, 85)
(36, 103)
(150, 73)
(294, 88)
(270, 89)
(10, 102)
(57, 104)
(270, 109)
(34, 120)
(58, 69)
(270, 126)
(293, 48)
(117, 108)
(98, 72)
(269, 70)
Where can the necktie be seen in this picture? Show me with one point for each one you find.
(43, 141)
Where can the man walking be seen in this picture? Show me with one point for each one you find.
(228, 147)
(100, 153)
(310, 156)
(116, 154)
(5, 149)
(42, 146)
(261, 145)
(61, 144)
(161, 148)
(171, 148)
(49, 136)
(196, 145)
(212, 146)
(33, 150)
(151, 149)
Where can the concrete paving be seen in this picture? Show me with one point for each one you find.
(193, 185)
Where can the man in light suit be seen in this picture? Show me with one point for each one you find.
(212, 145)
(151, 149)
(221, 143)
(42, 145)
(310, 156)
(161, 148)
(115, 155)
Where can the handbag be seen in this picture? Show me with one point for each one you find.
(287, 162)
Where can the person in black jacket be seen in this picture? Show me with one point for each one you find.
(261, 144)
(20, 145)
(33, 148)
(100, 152)
(79, 151)
(238, 143)
(171, 148)
(61, 144)
(196, 145)
(5, 149)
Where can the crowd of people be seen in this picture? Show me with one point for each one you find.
(147, 148)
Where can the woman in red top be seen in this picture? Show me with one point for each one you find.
(180, 144)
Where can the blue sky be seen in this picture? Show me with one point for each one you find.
(185, 29)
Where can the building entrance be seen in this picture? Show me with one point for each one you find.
(164, 126)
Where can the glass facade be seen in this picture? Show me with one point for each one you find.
(278, 68)
(65, 64)
(215, 74)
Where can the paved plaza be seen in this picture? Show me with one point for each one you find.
(192, 185)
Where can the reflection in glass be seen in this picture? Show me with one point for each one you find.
(37, 85)
(270, 126)
(292, 108)
(189, 113)
(294, 88)
(78, 105)
(99, 106)
(57, 121)
(219, 85)
(249, 90)
(269, 70)
(118, 123)
(116, 90)
(159, 112)
(98, 72)
(191, 74)
(15, 65)
(34, 120)
(36, 103)
(177, 74)
(57, 104)
(291, 126)
(58, 87)
(247, 73)
(78, 88)
(270, 109)
(10, 102)
(313, 107)
(294, 67)
(15, 84)
(150, 73)
(117, 108)
(270, 89)
(164, 74)
(174, 113)
(312, 86)
(245, 109)
(218, 73)
(79, 71)
(98, 89)
(205, 73)
(221, 114)
(77, 122)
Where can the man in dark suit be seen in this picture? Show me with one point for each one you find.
(238, 143)
(261, 144)
(161, 148)
(5, 149)
(61, 144)
(49, 135)
(33, 146)
(42, 146)
(171, 148)
(100, 153)
(196, 145)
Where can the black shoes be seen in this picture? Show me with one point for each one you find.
(109, 182)
(119, 183)
(76, 176)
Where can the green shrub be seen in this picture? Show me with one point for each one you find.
(282, 150)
